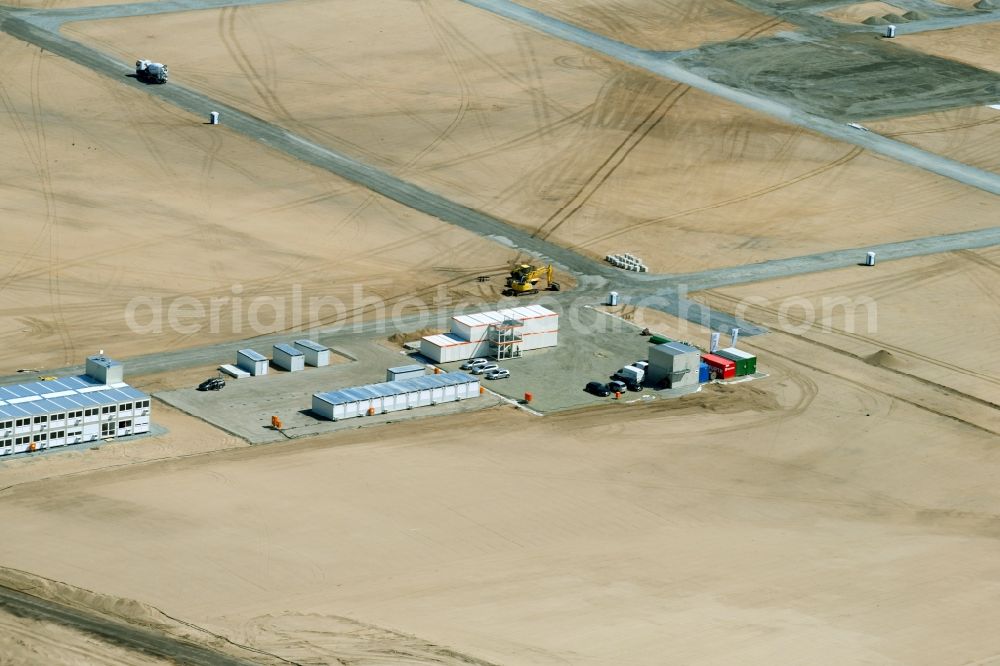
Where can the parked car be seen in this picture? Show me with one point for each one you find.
(212, 384)
(617, 386)
(473, 362)
(499, 373)
(485, 368)
(642, 365)
(598, 389)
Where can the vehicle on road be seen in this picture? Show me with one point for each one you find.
(212, 384)
(598, 389)
(499, 373)
(151, 72)
(485, 368)
(473, 362)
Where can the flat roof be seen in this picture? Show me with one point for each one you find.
(716, 359)
(519, 313)
(252, 355)
(739, 353)
(288, 349)
(447, 340)
(677, 348)
(416, 367)
(309, 344)
(103, 361)
(383, 389)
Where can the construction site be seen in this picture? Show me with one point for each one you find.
(482, 332)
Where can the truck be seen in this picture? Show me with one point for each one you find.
(631, 376)
(150, 72)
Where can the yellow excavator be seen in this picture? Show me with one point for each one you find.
(524, 279)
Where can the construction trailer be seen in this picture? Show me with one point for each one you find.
(405, 372)
(317, 355)
(288, 357)
(71, 410)
(500, 334)
(395, 396)
(250, 361)
(673, 365)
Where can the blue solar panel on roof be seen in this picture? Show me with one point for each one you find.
(399, 387)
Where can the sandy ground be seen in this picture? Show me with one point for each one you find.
(842, 510)
(973, 44)
(588, 153)
(60, 4)
(672, 25)
(33, 642)
(808, 517)
(937, 317)
(109, 196)
(185, 437)
(968, 135)
(859, 12)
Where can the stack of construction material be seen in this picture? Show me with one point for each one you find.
(626, 261)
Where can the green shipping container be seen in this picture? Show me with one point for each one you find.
(746, 364)
(659, 339)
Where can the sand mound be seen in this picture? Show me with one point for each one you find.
(875, 20)
(895, 18)
(884, 359)
(915, 16)
(986, 4)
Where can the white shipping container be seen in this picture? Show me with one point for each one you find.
(317, 355)
(250, 361)
(288, 358)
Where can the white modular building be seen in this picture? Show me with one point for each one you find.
(446, 347)
(395, 396)
(673, 365)
(288, 357)
(317, 355)
(498, 333)
(70, 410)
(405, 372)
(250, 361)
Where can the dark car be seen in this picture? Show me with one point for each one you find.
(597, 388)
(213, 384)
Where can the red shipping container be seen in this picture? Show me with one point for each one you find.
(725, 368)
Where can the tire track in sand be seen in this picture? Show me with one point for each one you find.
(854, 152)
(611, 163)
